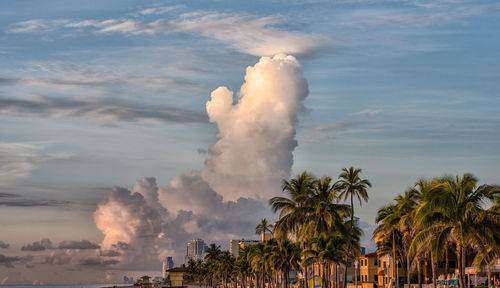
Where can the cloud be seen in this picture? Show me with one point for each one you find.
(160, 10)
(23, 202)
(4, 245)
(82, 245)
(17, 160)
(336, 126)
(369, 112)
(99, 110)
(97, 263)
(430, 15)
(38, 245)
(252, 155)
(109, 253)
(202, 151)
(37, 25)
(16, 200)
(256, 136)
(9, 261)
(59, 258)
(145, 223)
(259, 36)
(323, 133)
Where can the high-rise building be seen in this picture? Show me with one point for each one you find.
(168, 263)
(195, 249)
(237, 244)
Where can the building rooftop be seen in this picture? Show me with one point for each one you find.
(369, 255)
(177, 269)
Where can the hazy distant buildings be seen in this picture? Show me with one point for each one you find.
(168, 263)
(195, 249)
(237, 244)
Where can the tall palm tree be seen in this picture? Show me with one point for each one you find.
(453, 211)
(324, 213)
(289, 259)
(388, 218)
(292, 208)
(211, 257)
(263, 227)
(292, 213)
(351, 185)
(325, 248)
(406, 205)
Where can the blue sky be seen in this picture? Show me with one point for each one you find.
(96, 94)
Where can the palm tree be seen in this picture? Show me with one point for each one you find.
(292, 213)
(263, 227)
(350, 185)
(289, 259)
(325, 248)
(212, 254)
(292, 209)
(452, 211)
(406, 208)
(388, 218)
(324, 213)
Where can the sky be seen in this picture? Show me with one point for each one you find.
(129, 127)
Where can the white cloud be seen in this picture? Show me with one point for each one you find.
(256, 136)
(248, 34)
(369, 112)
(160, 10)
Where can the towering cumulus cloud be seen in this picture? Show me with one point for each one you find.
(252, 155)
(256, 136)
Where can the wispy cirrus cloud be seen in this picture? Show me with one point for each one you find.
(99, 110)
(249, 34)
(326, 132)
(17, 160)
(160, 10)
(432, 13)
(336, 126)
(369, 112)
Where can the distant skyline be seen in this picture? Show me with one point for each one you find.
(103, 94)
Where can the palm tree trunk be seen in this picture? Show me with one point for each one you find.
(489, 275)
(394, 267)
(345, 275)
(447, 261)
(306, 285)
(419, 271)
(325, 279)
(433, 267)
(460, 263)
(408, 269)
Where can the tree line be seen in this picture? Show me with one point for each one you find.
(317, 226)
(438, 216)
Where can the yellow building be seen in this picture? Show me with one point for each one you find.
(145, 282)
(385, 272)
(368, 270)
(177, 276)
